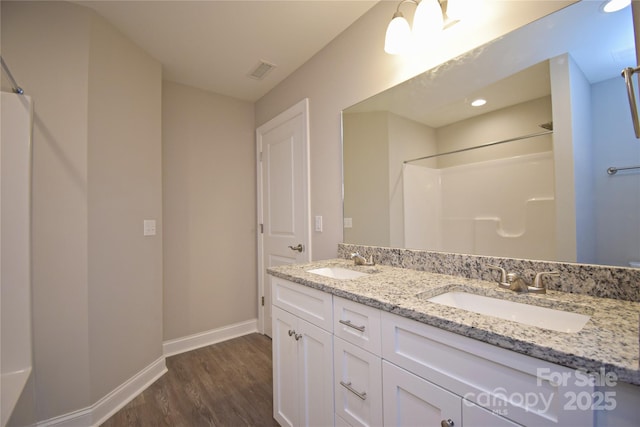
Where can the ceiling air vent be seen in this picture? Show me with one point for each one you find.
(260, 71)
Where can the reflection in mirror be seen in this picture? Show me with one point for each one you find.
(523, 176)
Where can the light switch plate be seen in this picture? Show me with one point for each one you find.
(149, 227)
(348, 222)
(318, 223)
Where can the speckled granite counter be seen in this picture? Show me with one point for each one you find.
(610, 340)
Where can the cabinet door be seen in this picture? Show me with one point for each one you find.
(285, 368)
(358, 384)
(475, 416)
(340, 422)
(315, 370)
(486, 374)
(412, 401)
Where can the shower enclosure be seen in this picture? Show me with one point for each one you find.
(15, 282)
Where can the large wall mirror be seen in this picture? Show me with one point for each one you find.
(525, 175)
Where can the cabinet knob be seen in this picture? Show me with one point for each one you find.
(446, 423)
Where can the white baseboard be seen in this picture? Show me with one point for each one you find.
(126, 392)
(213, 336)
(100, 411)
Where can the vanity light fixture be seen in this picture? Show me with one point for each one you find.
(478, 102)
(615, 5)
(429, 19)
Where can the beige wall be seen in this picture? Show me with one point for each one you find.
(209, 211)
(364, 193)
(354, 67)
(124, 168)
(96, 175)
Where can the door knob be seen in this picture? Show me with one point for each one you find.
(446, 423)
(298, 248)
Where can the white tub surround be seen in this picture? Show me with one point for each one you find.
(17, 355)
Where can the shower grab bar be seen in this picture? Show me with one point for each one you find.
(627, 74)
(489, 144)
(16, 88)
(613, 170)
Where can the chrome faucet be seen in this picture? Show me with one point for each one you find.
(516, 283)
(360, 260)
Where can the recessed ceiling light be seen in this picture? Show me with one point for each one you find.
(478, 102)
(615, 5)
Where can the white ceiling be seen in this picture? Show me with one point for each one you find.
(215, 44)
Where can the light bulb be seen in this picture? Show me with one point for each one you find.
(398, 37)
(428, 20)
(458, 9)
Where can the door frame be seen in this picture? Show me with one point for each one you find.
(299, 109)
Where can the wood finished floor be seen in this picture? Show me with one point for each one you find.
(225, 384)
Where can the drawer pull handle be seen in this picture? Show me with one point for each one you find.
(362, 395)
(351, 325)
(297, 336)
(291, 332)
(446, 423)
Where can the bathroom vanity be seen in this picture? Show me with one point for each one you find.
(367, 345)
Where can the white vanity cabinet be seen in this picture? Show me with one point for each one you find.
(411, 401)
(478, 375)
(357, 363)
(385, 369)
(302, 355)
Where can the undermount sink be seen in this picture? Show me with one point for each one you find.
(338, 273)
(532, 315)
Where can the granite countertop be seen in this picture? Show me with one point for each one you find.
(609, 340)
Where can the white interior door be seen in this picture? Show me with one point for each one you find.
(283, 198)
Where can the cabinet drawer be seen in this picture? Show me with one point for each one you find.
(500, 380)
(358, 384)
(357, 324)
(310, 304)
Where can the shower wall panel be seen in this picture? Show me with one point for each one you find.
(501, 207)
